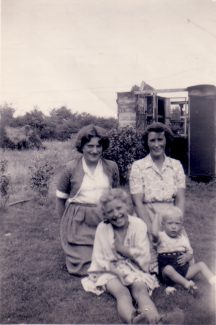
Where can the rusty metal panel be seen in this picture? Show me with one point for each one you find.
(127, 103)
(202, 106)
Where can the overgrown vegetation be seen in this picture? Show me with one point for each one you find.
(4, 183)
(20, 138)
(40, 177)
(27, 131)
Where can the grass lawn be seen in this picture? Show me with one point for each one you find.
(35, 285)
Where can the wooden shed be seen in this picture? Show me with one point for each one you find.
(143, 105)
(192, 117)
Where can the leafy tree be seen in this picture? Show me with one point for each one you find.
(60, 124)
(6, 115)
(107, 123)
(35, 119)
(49, 129)
(61, 114)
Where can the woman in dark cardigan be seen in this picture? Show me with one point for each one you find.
(79, 189)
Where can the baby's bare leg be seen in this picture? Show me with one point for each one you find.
(145, 304)
(199, 267)
(172, 274)
(123, 298)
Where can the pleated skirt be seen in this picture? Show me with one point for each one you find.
(77, 232)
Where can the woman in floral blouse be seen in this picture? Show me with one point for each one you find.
(156, 181)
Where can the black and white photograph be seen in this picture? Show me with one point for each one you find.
(108, 162)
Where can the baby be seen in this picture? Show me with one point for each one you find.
(175, 253)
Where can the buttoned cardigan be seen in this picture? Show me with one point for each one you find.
(71, 178)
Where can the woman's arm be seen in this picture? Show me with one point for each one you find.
(63, 191)
(137, 194)
(141, 210)
(155, 228)
(102, 254)
(180, 199)
(180, 180)
(139, 247)
(60, 206)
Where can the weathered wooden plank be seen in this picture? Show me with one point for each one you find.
(172, 90)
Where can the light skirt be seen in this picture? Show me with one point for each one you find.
(124, 270)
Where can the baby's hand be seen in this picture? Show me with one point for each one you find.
(184, 258)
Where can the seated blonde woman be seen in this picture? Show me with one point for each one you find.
(120, 263)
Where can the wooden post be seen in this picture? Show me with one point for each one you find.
(141, 112)
(154, 107)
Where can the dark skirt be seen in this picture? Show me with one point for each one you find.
(77, 231)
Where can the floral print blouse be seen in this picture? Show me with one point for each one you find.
(156, 185)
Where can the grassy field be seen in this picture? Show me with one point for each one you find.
(35, 285)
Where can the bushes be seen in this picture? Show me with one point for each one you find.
(40, 177)
(20, 138)
(58, 125)
(4, 183)
(126, 146)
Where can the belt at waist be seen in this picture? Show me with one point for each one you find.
(154, 201)
(171, 254)
(83, 204)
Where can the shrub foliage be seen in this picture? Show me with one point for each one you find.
(19, 138)
(126, 146)
(40, 177)
(60, 124)
(4, 183)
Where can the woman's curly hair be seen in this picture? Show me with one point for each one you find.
(158, 127)
(87, 133)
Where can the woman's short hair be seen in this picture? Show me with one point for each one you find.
(157, 127)
(87, 133)
(112, 194)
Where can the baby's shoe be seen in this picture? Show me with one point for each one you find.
(170, 290)
(192, 288)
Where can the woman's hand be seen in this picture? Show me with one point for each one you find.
(152, 316)
(120, 248)
(60, 205)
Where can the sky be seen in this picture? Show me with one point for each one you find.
(80, 53)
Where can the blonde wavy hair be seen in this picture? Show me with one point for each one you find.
(172, 212)
(113, 194)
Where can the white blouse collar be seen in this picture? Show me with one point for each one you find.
(88, 171)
